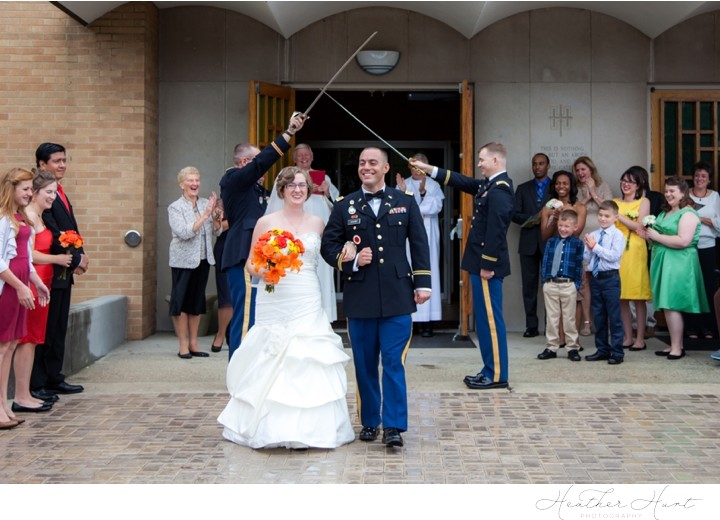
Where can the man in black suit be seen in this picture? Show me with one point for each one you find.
(486, 256)
(244, 203)
(47, 379)
(380, 289)
(529, 199)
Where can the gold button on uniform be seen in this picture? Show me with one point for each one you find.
(382, 260)
(379, 237)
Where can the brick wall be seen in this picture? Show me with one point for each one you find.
(94, 90)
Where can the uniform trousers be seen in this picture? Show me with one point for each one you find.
(243, 296)
(387, 340)
(560, 302)
(490, 327)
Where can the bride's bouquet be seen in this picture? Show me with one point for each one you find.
(276, 251)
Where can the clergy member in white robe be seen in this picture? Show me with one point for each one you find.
(429, 196)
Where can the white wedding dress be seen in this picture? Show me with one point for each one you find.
(287, 380)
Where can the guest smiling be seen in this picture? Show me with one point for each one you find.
(191, 254)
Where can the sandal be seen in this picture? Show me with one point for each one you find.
(707, 334)
(692, 335)
(586, 330)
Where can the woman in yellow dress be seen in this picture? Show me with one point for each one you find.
(634, 275)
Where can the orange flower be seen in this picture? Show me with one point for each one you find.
(273, 253)
(69, 240)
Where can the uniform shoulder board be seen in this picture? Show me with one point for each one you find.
(341, 197)
(228, 169)
(500, 183)
(408, 192)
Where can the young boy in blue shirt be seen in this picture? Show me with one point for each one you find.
(603, 250)
(562, 272)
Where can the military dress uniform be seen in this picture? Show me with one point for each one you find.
(487, 248)
(379, 298)
(244, 202)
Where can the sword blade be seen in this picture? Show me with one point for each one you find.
(368, 128)
(338, 73)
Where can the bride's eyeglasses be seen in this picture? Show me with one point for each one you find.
(293, 186)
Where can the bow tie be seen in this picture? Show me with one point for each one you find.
(377, 195)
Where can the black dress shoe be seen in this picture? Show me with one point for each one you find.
(573, 355)
(65, 388)
(476, 377)
(484, 383)
(530, 333)
(597, 357)
(368, 434)
(392, 438)
(547, 354)
(45, 407)
(615, 360)
(427, 334)
(198, 353)
(44, 395)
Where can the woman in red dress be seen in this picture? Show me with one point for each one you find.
(44, 193)
(16, 271)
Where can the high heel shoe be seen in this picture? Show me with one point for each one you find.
(673, 357)
(216, 348)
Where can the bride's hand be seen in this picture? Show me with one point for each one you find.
(349, 251)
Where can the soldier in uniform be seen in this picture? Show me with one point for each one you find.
(380, 289)
(244, 203)
(486, 256)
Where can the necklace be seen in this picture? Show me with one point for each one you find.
(700, 196)
(294, 226)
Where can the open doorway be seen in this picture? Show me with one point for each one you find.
(412, 122)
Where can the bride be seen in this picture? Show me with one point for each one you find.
(287, 381)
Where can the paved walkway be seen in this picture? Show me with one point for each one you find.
(148, 417)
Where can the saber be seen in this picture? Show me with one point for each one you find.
(335, 76)
(371, 130)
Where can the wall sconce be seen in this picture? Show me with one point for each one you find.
(377, 63)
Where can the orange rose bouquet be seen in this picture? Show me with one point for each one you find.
(70, 240)
(276, 251)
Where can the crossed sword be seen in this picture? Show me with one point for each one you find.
(323, 91)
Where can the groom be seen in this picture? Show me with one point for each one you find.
(380, 289)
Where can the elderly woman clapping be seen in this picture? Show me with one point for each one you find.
(193, 221)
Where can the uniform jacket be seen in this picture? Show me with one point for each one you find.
(186, 245)
(244, 201)
(386, 286)
(494, 205)
(58, 220)
(527, 205)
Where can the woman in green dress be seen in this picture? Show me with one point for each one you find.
(675, 275)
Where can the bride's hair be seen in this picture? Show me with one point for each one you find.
(287, 176)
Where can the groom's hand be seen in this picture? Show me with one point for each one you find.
(365, 256)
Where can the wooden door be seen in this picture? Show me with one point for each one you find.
(270, 108)
(467, 166)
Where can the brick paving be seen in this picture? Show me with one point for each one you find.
(455, 438)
